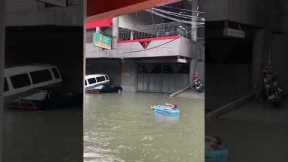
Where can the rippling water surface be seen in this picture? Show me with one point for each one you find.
(123, 128)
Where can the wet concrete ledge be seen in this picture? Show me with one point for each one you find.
(230, 106)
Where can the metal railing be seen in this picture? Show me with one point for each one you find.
(158, 30)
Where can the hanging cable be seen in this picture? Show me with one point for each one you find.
(182, 9)
(174, 19)
(148, 48)
(177, 14)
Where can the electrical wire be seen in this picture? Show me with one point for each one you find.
(183, 9)
(149, 48)
(174, 19)
(177, 14)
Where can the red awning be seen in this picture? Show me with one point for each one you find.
(99, 23)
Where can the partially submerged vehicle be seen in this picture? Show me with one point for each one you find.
(94, 80)
(33, 87)
(100, 83)
(22, 79)
(105, 88)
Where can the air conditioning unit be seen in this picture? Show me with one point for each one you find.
(235, 33)
(181, 60)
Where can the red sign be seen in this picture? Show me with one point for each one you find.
(145, 43)
(99, 23)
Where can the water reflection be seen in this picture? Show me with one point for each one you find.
(122, 127)
(166, 119)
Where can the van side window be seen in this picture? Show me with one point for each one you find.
(85, 82)
(40, 76)
(100, 79)
(91, 80)
(55, 72)
(6, 88)
(21, 80)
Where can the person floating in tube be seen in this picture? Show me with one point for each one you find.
(169, 105)
(172, 106)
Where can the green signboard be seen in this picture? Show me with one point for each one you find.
(102, 41)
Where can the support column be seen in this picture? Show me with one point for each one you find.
(195, 54)
(261, 51)
(197, 63)
(195, 4)
(2, 65)
(98, 30)
(115, 32)
(131, 35)
(129, 75)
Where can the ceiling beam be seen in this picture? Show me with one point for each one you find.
(106, 9)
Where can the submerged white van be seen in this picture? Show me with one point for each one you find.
(93, 80)
(22, 79)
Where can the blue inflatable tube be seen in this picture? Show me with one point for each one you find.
(166, 110)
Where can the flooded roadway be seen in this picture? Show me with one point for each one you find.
(123, 128)
(43, 136)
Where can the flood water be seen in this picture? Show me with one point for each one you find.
(123, 128)
(43, 136)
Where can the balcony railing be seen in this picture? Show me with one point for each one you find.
(158, 30)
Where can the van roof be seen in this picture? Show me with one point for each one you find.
(24, 69)
(93, 75)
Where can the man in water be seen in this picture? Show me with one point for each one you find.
(172, 106)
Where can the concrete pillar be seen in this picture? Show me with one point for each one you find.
(193, 66)
(197, 63)
(2, 66)
(97, 30)
(195, 4)
(131, 35)
(129, 75)
(115, 32)
(261, 49)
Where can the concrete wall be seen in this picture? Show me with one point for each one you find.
(2, 62)
(279, 47)
(215, 11)
(33, 12)
(157, 48)
(225, 83)
(161, 83)
(228, 70)
(251, 12)
(273, 40)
